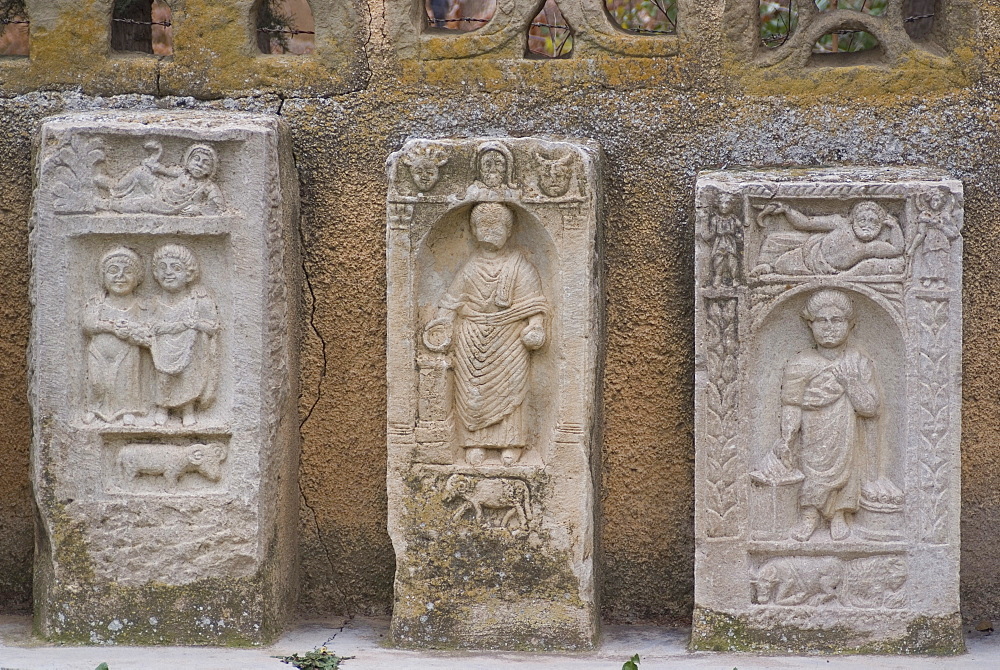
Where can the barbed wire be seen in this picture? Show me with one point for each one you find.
(438, 22)
(783, 37)
(165, 24)
(286, 30)
(10, 22)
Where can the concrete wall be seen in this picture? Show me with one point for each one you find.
(704, 99)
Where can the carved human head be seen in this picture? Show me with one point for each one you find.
(424, 163)
(830, 315)
(492, 223)
(174, 267)
(121, 270)
(725, 202)
(200, 161)
(494, 164)
(555, 173)
(937, 198)
(867, 218)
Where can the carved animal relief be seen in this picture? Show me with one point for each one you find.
(491, 371)
(827, 397)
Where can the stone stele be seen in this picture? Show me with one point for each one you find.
(164, 376)
(494, 329)
(828, 336)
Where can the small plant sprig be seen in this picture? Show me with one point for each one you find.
(632, 663)
(317, 659)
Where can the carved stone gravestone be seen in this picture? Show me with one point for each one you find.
(164, 377)
(494, 329)
(828, 410)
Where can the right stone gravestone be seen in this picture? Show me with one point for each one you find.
(828, 411)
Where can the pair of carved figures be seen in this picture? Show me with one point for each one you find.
(156, 356)
(489, 321)
(154, 188)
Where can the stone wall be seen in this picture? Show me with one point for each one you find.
(698, 100)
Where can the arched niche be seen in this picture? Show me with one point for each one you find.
(441, 255)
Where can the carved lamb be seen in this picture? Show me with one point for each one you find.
(172, 461)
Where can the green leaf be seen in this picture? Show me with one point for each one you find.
(632, 663)
(102, 666)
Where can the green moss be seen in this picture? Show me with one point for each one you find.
(720, 631)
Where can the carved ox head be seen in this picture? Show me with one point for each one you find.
(555, 173)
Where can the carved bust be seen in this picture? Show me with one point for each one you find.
(490, 321)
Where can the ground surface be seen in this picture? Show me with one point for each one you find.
(659, 648)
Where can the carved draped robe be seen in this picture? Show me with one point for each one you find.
(493, 297)
(114, 365)
(186, 362)
(836, 428)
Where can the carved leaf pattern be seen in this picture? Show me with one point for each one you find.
(70, 170)
(722, 465)
(933, 365)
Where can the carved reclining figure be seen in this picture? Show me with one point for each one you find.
(171, 461)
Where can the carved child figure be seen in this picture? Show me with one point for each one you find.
(936, 229)
(185, 337)
(721, 232)
(114, 321)
(491, 319)
(830, 401)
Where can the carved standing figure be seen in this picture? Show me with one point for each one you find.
(185, 337)
(830, 405)
(868, 241)
(936, 229)
(722, 232)
(491, 319)
(115, 323)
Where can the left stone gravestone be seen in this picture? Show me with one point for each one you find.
(163, 378)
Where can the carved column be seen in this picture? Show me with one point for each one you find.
(828, 398)
(494, 328)
(164, 377)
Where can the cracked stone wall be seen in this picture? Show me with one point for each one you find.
(659, 120)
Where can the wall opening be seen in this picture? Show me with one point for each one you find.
(13, 28)
(845, 41)
(644, 16)
(284, 27)
(778, 19)
(918, 17)
(141, 26)
(549, 35)
(872, 7)
(463, 15)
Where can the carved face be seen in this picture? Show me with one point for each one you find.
(727, 203)
(554, 177)
(200, 164)
(425, 173)
(492, 226)
(172, 274)
(830, 326)
(120, 276)
(493, 169)
(935, 201)
(867, 224)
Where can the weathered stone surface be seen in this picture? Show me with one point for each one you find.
(164, 377)
(494, 329)
(828, 410)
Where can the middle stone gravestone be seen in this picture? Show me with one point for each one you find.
(828, 409)
(494, 325)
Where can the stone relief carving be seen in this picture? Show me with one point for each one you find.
(510, 498)
(177, 329)
(830, 437)
(828, 399)
(117, 323)
(71, 169)
(424, 162)
(171, 462)
(721, 228)
(866, 241)
(873, 582)
(490, 320)
(493, 314)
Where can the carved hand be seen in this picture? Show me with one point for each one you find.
(533, 336)
(171, 328)
(783, 450)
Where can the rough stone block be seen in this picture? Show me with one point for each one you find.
(494, 331)
(828, 410)
(164, 378)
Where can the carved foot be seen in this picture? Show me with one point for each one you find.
(510, 456)
(807, 526)
(89, 417)
(129, 419)
(188, 417)
(839, 530)
(475, 456)
(160, 416)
